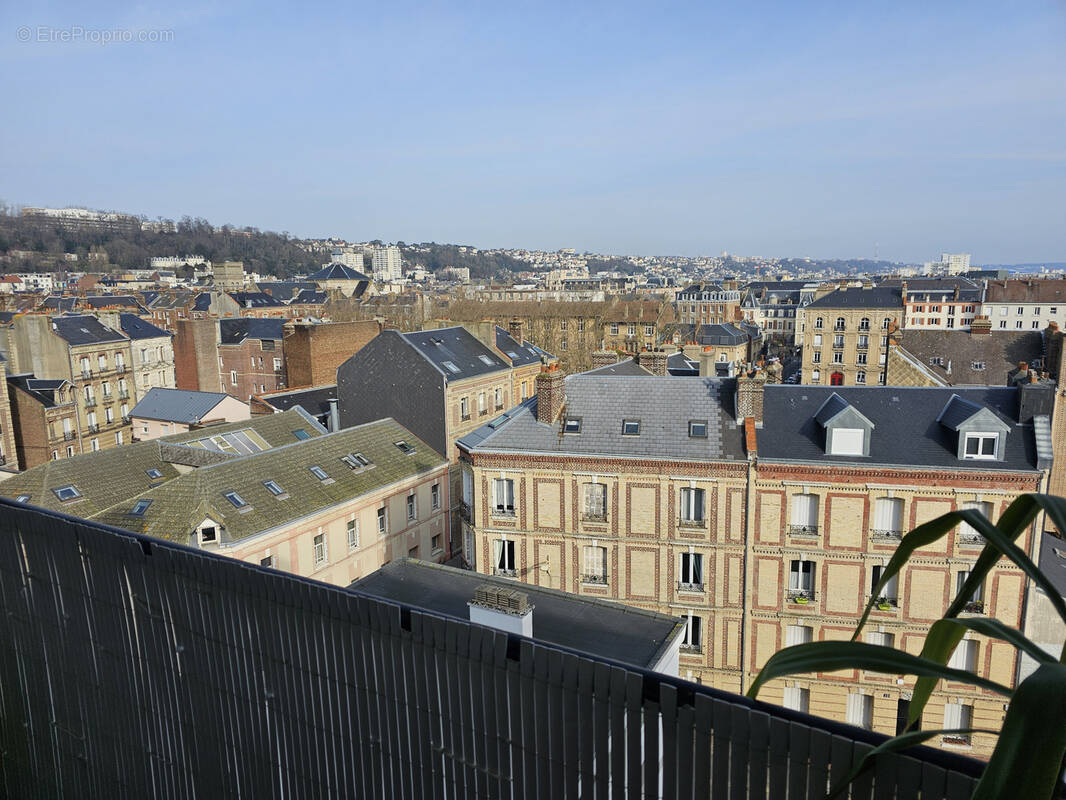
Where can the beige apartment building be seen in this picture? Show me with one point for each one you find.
(94, 358)
(276, 490)
(845, 335)
(763, 514)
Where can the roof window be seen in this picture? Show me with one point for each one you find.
(697, 429)
(572, 425)
(139, 508)
(67, 493)
(301, 434)
(356, 461)
(486, 360)
(153, 473)
(274, 488)
(318, 472)
(23, 498)
(236, 499)
(631, 427)
(405, 448)
(450, 366)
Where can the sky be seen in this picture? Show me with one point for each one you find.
(829, 130)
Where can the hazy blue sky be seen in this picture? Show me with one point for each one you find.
(788, 128)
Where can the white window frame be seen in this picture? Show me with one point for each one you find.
(412, 507)
(691, 506)
(353, 535)
(503, 557)
(594, 502)
(320, 549)
(503, 500)
(690, 571)
(860, 710)
(980, 437)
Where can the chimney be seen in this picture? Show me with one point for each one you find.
(707, 362)
(551, 394)
(502, 608)
(654, 361)
(334, 422)
(603, 358)
(981, 326)
(750, 390)
(1035, 399)
(514, 327)
(903, 292)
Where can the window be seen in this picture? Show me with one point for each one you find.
(109, 415)
(481, 407)
(880, 638)
(106, 386)
(1021, 310)
(140, 507)
(864, 342)
(319, 546)
(353, 534)
(690, 572)
(860, 379)
(860, 710)
(632, 330)
(693, 638)
(319, 473)
(65, 493)
(236, 499)
(273, 488)
(267, 561)
(631, 427)
(450, 366)
(23, 498)
(839, 325)
(889, 593)
(819, 324)
(838, 341)
(697, 429)
(233, 377)
(503, 557)
(301, 434)
(572, 425)
(356, 461)
(965, 655)
(692, 506)
(562, 344)
(1003, 324)
(957, 716)
(801, 580)
(277, 364)
(1036, 323)
(1018, 324)
(817, 357)
(503, 496)
(563, 324)
(838, 358)
(804, 518)
(102, 361)
(888, 518)
(434, 496)
(977, 366)
(649, 330)
(976, 602)
(614, 329)
(435, 543)
(864, 324)
(404, 447)
(816, 375)
(967, 533)
(817, 340)
(208, 534)
(594, 569)
(118, 437)
(412, 507)
(981, 445)
(383, 521)
(464, 408)
(798, 634)
(595, 507)
(797, 699)
(498, 398)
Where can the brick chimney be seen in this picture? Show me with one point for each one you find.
(516, 328)
(981, 326)
(707, 362)
(603, 358)
(750, 389)
(502, 608)
(551, 394)
(654, 361)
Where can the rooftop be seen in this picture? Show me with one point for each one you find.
(455, 352)
(137, 328)
(84, 329)
(338, 272)
(860, 297)
(177, 405)
(234, 330)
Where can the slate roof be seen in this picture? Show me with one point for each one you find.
(861, 297)
(728, 334)
(591, 625)
(1052, 561)
(40, 389)
(113, 301)
(285, 290)
(833, 405)
(906, 431)
(956, 411)
(338, 272)
(998, 351)
(7, 317)
(84, 329)
(938, 289)
(520, 354)
(202, 302)
(234, 330)
(309, 296)
(176, 405)
(57, 303)
(255, 300)
(125, 466)
(179, 505)
(314, 400)
(137, 328)
(664, 406)
(626, 367)
(680, 364)
(457, 346)
(1029, 290)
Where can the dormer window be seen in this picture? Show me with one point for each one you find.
(207, 533)
(981, 445)
(847, 431)
(572, 425)
(631, 427)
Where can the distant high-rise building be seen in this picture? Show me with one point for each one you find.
(951, 263)
(387, 263)
(348, 258)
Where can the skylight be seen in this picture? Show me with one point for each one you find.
(154, 473)
(631, 427)
(572, 425)
(319, 473)
(273, 487)
(697, 429)
(140, 507)
(405, 448)
(65, 493)
(23, 498)
(485, 359)
(236, 499)
(301, 434)
(450, 366)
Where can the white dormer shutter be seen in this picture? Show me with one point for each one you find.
(847, 442)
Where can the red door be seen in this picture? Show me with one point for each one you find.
(836, 379)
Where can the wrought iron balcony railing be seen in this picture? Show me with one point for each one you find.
(801, 596)
(803, 530)
(885, 535)
(507, 573)
(690, 586)
(594, 578)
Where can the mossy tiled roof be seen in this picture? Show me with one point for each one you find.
(180, 505)
(109, 477)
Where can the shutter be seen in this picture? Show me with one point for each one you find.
(590, 500)
(794, 576)
(697, 568)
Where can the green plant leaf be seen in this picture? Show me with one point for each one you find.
(894, 745)
(993, 628)
(1032, 743)
(828, 656)
(939, 644)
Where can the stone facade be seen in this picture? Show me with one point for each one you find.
(845, 346)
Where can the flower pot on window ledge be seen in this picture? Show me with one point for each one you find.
(801, 600)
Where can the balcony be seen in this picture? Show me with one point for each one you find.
(593, 517)
(800, 596)
(803, 531)
(886, 603)
(465, 418)
(690, 648)
(68, 436)
(970, 539)
(885, 535)
(123, 395)
(86, 374)
(90, 402)
(94, 428)
(974, 607)
(838, 327)
(690, 586)
(594, 579)
(120, 368)
(126, 420)
(505, 573)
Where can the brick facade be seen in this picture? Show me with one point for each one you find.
(314, 351)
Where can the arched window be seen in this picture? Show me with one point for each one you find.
(836, 379)
(839, 324)
(819, 323)
(884, 323)
(864, 324)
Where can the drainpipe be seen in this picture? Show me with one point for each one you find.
(334, 415)
(749, 538)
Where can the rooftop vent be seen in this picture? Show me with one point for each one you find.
(503, 608)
